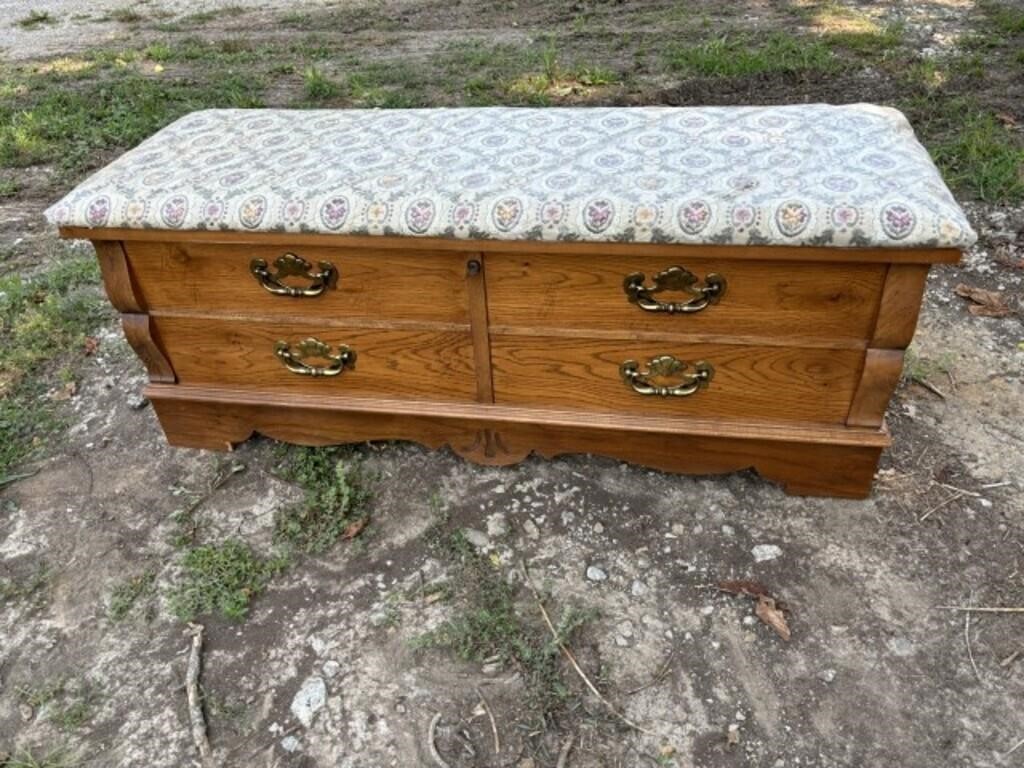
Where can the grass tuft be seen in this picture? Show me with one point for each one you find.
(490, 622)
(334, 505)
(318, 86)
(222, 578)
(740, 55)
(126, 594)
(981, 154)
(35, 19)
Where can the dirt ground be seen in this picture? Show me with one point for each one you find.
(881, 670)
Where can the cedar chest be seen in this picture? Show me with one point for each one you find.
(694, 289)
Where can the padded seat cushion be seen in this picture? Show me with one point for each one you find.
(792, 175)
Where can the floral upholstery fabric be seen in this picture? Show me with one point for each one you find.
(792, 175)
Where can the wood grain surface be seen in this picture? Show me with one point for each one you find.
(774, 383)
(378, 283)
(498, 436)
(782, 302)
(405, 363)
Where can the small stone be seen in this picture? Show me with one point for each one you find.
(595, 573)
(400, 708)
(531, 530)
(728, 530)
(638, 588)
(477, 538)
(740, 716)
(137, 402)
(749, 621)
(626, 628)
(707, 610)
(26, 712)
(310, 699)
(290, 744)
(621, 642)
(827, 675)
(985, 503)
(764, 552)
(497, 525)
(643, 563)
(678, 529)
(598, 528)
(331, 668)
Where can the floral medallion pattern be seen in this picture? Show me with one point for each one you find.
(793, 175)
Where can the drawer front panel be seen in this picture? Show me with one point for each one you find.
(791, 301)
(763, 383)
(399, 285)
(389, 363)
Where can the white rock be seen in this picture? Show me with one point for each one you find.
(477, 538)
(331, 668)
(764, 552)
(638, 588)
(828, 675)
(497, 525)
(598, 528)
(531, 529)
(290, 744)
(594, 573)
(310, 699)
(728, 530)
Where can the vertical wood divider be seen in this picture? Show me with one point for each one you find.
(479, 325)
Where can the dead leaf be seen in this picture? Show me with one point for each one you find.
(354, 529)
(91, 345)
(1004, 256)
(986, 303)
(69, 390)
(1007, 119)
(770, 614)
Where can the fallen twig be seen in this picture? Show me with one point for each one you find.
(572, 658)
(964, 491)
(931, 388)
(940, 505)
(660, 675)
(490, 716)
(967, 641)
(563, 754)
(195, 701)
(432, 746)
(1015, 747)
(983, 608)
(1003, 484)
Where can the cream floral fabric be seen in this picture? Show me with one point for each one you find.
(793, 175)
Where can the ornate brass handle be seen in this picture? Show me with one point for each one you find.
(674, 279)
(664, 366)
(290, 265)
(293, 356)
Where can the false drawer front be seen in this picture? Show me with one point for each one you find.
(799, 303)
(737, 382)
(314, 282)
(271, 356)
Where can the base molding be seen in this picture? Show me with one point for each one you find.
(810, 460)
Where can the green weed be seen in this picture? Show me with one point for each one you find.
(980, 154)
(318, 86)
(739, 55)
(125, 595)
(490, 622)
(221, 578)
(28, 758)
(334, 505)
(36, 19)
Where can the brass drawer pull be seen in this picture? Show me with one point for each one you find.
(674, 279)
(293, 356)
(664, 366)
(290, 265)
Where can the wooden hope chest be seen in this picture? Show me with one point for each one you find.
(698, 290)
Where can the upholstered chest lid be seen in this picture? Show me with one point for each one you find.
(793, 175)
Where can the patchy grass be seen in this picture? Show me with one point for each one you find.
(43, 119)
(35, 19)
(9, 188)
(31, 758)
(28, 589)
(491, 623)
(742, 55)
(221, 578)
(125, 595)
(335, 500)
(125, 15)
(318, 86)
(44, 321)
(973, 149)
